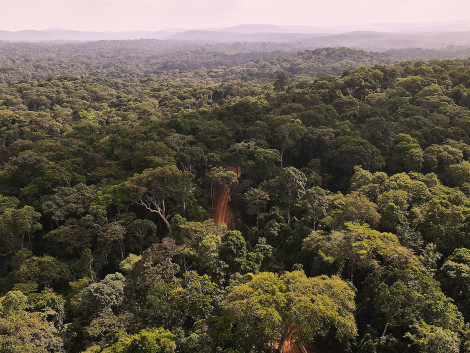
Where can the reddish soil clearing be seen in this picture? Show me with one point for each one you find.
(222, 213)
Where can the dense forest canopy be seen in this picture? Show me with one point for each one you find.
(349, 198)
(207, 62)
(214, 62)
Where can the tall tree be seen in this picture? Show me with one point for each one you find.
(163, 191)
(268, 310)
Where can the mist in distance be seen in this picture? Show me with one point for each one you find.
(178, 15)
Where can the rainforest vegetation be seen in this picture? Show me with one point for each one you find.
(208, 63)
(347, 192)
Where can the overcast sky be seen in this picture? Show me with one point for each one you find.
(158, 14)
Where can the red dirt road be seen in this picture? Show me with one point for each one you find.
(222, 211)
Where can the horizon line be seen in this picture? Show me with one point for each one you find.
(215, 28)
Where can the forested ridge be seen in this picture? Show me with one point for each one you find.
(351, 213)
(208, 63)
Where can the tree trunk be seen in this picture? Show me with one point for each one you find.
(285, 335)
(166, 222)
(288, 213)
(212, 193)
(385, 329)
(160, 211)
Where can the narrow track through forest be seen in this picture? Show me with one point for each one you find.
(223, 213)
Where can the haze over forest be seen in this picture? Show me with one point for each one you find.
(122, 15)
(430, 35)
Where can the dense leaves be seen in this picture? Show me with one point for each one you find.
(347, 201)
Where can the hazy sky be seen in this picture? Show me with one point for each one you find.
(158, 14)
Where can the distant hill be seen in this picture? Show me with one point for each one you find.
(305, 64)
(266, 28)
(64, 35)
(254, 28)
(381, 41)
(225, 36)
(367, 40)
(214, 62)
(126, 59)
(396, 36)
(211, 61)
(450, 52)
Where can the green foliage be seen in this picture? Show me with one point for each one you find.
(45, 271)
(256, 200)
(16, 224)
(407, 154)
(455, 278)
(163, 191)
(281, 82)
(171, 304)
(428, 338)
(268, 309)
(362, 180)
(102, 296)
(146, 341)
(23, 329)
(69, 202)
